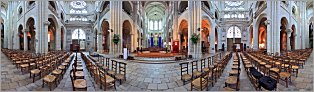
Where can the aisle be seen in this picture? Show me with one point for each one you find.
(245, 84)
(66, 84)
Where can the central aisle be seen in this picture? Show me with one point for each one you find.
(245, 84)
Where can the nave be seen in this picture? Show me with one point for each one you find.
(144, 77)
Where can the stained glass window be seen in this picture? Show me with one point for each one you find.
(234, 32)
(78, 34)
(78, 4)
(234, 3)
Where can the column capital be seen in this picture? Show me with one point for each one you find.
(25, 30)
(46, 23)
(289, 30)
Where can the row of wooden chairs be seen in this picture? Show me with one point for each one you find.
(107, 73)
(39, 65)
(200, 79)
(77, 75)
(256, 76)
(53, 69)
(233, 81)
(283, 66)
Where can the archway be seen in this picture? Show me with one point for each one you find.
(126, 35)
(283, 34)
(62, 38)
(251, 37)
(21, 37)
(126, 6)
(183, 6)
(53, 5)
(262, 34)
(2, 35)
(51, 35)
(183, 31)
(205, 35)
(31, 34)
(311, 35)
(105, 36)
(292, 38)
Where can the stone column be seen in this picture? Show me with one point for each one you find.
(255, 34)
(194, 21)
(276, 29)
(58, 38)
(289, 31)
(44, 37)
(99, 42)
(175, 27)
(25, 40)
(303, 27)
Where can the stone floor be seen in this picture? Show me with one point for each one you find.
(144, 77)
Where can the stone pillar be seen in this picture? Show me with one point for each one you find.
(175, 27)
(303, 27)
(212, 37)
(25, 40)
(289, 31)
(44, 37)
(58, 38)
(194, 23)
(255, 34)
(276, 29)
(99, 42)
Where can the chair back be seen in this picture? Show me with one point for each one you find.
(107, 62)
(194, 66)
(122, 68)
(114, 65)
(203, 63)
(184, 68)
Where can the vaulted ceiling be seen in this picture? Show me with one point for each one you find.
(155, 10)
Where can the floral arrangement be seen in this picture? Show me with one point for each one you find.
(116, 38)
(195, 38)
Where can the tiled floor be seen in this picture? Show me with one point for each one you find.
(144, 77)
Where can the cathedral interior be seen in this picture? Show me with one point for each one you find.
(191, 45)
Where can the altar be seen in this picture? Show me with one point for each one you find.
(156, 40)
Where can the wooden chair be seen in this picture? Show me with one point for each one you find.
(195, 72)
(294, 67)
(24, 66)
(77, 84)
(113, 70)
(201, 82)
(77, 74)
(49, 80)
(106, 81)
(185, 76)
(121, 75)
(58, 74)
(35, 72)
(286, 76)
